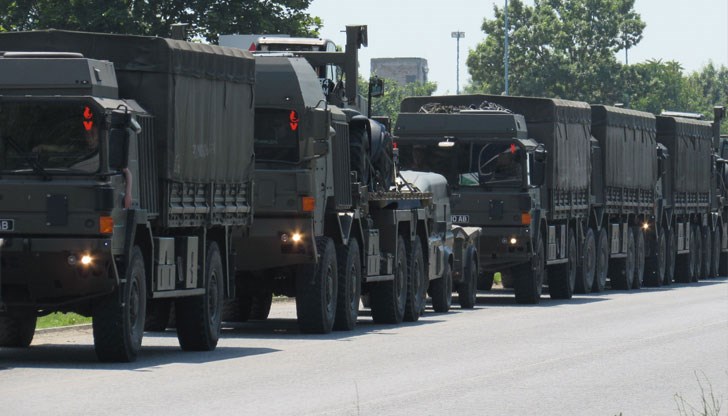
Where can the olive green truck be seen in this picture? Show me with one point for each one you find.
(126, 169)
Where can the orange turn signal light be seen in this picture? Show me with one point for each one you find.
(106, 225)
(308, 203)
(525, 218)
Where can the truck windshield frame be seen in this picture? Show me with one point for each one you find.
(493, 163)
(50, 136)
(276, 137)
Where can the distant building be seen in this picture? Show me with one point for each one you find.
(402, 70)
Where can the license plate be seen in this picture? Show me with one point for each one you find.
(460, 219)
(7, 225)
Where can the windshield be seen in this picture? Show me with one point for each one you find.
(276, 135)
(468, 164)
(36, 136)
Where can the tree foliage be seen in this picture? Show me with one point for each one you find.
(557, 48)
(388, 104)
(206, 18)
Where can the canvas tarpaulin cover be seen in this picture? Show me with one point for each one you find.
(689, 143)
(201, 96)
(629, 146)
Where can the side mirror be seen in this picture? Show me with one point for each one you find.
(376, 87)
(121, 122)
(538, 167)
(317, 123)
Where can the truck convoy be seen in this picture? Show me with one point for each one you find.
(126, 168)
(334, 220)
(569, 194)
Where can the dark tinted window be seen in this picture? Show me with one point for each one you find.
(276, 135)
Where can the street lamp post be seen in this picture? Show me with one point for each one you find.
(505, 47)
(457, 36)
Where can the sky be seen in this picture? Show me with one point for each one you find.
(691, 32)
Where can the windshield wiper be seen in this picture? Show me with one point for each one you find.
(32, 161)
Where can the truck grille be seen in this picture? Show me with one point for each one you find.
(342, 167)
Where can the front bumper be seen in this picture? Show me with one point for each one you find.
(504, 247)
(47, 271)
(265, 247)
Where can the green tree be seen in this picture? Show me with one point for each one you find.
(388, 104)
(206, 18)
(557, 48)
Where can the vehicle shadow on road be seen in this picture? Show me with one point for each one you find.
(287, 328)
(82, 357)
(506, 298)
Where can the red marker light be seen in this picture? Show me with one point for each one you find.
(513, 149)
(293, 118)
(394, 145)
(252, 47)
(88, 118)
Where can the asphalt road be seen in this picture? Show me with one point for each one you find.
(618, 352)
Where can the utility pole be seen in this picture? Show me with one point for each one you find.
(505, 47)
(457, 36)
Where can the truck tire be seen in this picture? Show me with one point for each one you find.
(254, 307)
(601, 262)
(118, 318)
(316, 289)
(416, 283)
(506, 279)
(388, 298)
(157, 315)
(639, 260)
(655, 264)
(715, 256)
(685, 263)
(485, 280)
(468, 286)
(348, 263)
(586, 270)
(622, 270)
(707, 254)
(17, 330)
(670, 255)
(698, 258)
(562, 277)
(359, 154)
(441, 290)
(529, 277)
(199, 318)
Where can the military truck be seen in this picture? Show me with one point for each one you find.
(143, 217)
(333, 219)
(531, 207)
(694, 214)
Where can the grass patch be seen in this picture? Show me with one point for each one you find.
(61, 319)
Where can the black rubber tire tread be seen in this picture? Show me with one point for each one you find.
(670, 255)
(621, 271)
(116, 337)
(506, 279)
(17, 331)
(157, 318)
(639, 258)
(199, 318)
(698, 265)
(601, 263)
(485, 280)
(359, 154)
(529, 277)
(684, 266)
(388, 298)
(416, 281)
(260, 306)
(587, 269)
(441, 290)
(348, 263)
(707, 253)
(316, 290)
(715, 256)
(562, 277)
(468, 287)
(655, 264)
